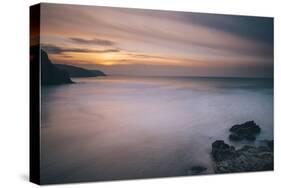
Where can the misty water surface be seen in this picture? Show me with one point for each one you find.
(121, 128)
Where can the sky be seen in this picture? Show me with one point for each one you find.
(121, 41)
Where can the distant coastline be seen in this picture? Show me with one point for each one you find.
(57, 74)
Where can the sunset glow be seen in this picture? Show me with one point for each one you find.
(158, 42)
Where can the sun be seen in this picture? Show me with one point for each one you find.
(108, 63)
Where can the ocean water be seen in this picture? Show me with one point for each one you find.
(112, 128)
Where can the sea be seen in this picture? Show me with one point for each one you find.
(120, 127)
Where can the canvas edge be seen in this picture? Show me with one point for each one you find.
(34, 95)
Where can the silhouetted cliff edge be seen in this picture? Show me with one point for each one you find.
(55, 74)
(50, 74)
(74, 71)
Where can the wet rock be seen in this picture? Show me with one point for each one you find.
(222, 151)
(198, 169)
(269, 144)
(247, 131)
(246, 159)
(195, 170)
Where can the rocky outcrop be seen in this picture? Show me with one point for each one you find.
(74, 71)
(268, 143)
(244, 131)
(258, 157)
(222, 151)
(196, 170)
(249, 158)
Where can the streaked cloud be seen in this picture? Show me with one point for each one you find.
(101, 42)
(52, 49)
(118, 36)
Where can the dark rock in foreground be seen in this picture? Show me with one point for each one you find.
(74, 71)
(50, 74)
(196, 170)
(247, 131)
(269, 143)
(222, 151)
(249, 158)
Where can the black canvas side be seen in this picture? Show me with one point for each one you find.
(34, 163)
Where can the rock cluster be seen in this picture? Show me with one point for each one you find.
(249, 158)
(247, 131)
(222, 151)
(196, 170)
(228, 159)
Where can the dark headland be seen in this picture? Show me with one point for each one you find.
(56, 74)
(74, 71)
(50, 74)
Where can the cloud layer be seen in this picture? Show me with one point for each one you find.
(100, 36)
